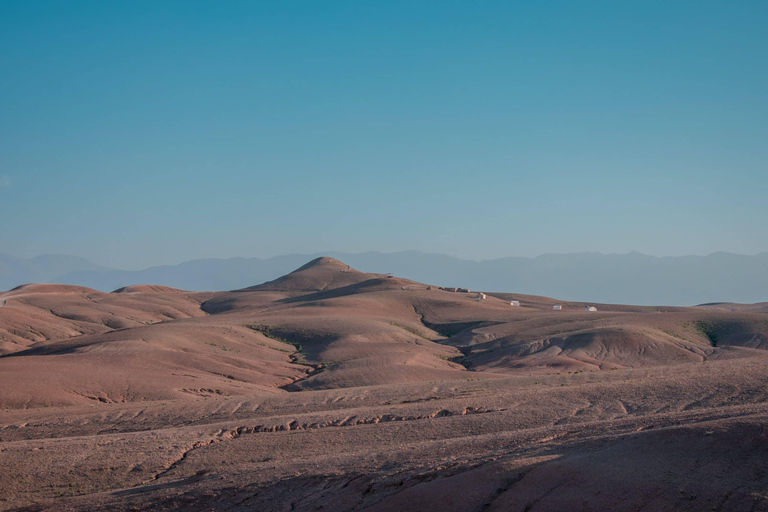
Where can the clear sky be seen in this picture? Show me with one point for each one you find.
(142, 133)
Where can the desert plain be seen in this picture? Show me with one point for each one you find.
(339, 390)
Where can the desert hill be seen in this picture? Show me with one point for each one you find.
(454, 390)
(760, 307)
(320, 274)
(148, 288)
(347, 328)
(632, 278)
(43, 312)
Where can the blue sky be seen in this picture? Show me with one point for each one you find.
(142, 133)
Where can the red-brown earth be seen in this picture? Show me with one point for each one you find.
(333, 389)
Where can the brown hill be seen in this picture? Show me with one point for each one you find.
(41, 288)
(148, 288)
(410, 397)
(350, 328)
(760, 307)
(37, 313)
(319, 274)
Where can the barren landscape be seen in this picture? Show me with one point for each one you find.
(334, 389)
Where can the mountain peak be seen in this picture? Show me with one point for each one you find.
(324, 261)
(322, 273)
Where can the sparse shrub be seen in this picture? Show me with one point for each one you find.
(708, 330)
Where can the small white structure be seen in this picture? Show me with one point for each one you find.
(590, 308)
(557, 308)
(515, 303)
(480, 296)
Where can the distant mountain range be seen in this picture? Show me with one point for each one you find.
(632, 278)
(42, 269)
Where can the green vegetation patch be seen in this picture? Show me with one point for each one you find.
(268, 332)
(708, 330)
(411, 330)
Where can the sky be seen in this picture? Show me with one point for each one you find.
(144, 133)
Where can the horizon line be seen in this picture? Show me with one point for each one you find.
(324, 253)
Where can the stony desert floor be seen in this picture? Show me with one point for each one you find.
(333, 389)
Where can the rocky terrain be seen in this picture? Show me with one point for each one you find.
(334, 389)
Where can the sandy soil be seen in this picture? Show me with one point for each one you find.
(333, 389)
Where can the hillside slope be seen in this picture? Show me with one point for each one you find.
(327, 325)
(338, 389)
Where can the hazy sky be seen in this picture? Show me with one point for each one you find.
(140, 133)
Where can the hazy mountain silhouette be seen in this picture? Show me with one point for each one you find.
(632, 278)
(42, 269)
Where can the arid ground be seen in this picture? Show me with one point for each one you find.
(333, 389)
